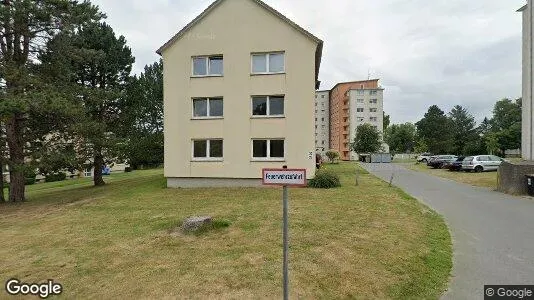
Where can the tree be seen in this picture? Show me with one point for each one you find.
(367, 140)
(387, 121)
(435, 131)
(25, 28)
(142, 118)
(332, 155)
(401, 137)
(101, 66)
(463, 129)
(506, 124)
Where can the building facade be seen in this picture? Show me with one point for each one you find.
(527, 140)
(366, 106)
(352, 104)
(322, 122)
(235, 83)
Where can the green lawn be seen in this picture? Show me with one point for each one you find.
(370, 241)
(484, 179)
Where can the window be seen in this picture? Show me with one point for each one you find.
(315, 119)
(323, 143)
(207, 149)
(266, 63)
(208, 65)
(207, 107)
(322, 119)
(373, 109)
(359, 100)
(359, 109)
(373, 101)
(360, 92)
(268, 105)
(322, 96)
(268, 149)
(360, 119)
(373, 93)
(373, 119)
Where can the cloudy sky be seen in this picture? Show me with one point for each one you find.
(443, 52)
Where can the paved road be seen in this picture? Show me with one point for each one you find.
(493, 233)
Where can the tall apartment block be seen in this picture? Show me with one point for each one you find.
(352, 104)
(322, 122)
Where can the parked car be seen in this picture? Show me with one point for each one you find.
(481, 163)
(455, 165)
(424, 157)
(439, 161)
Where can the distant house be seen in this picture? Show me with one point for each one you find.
(239, 84)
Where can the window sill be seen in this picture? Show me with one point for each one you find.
(206, 118)
(205, 76)
(268, 73)
(207, 160)
(268, 160)
(268, 117)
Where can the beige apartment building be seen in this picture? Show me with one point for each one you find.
(237, 80)
(322, 122)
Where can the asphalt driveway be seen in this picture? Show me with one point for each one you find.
(493, 233)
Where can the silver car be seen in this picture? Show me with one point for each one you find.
(481, 163)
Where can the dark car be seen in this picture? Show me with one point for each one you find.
(441, 160)
(455, 165)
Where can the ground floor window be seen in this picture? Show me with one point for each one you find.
(208, 149)
(268, 149)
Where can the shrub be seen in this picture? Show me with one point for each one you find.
(55, 177)
(332, 155)
(128, 169)
(325, 179)
(29, 181)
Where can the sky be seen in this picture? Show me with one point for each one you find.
(443, 52)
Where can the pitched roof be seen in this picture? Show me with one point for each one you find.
(318, 52)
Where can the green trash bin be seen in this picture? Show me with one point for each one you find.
(530, 184)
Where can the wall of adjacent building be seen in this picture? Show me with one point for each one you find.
(235, 29)
(527, 122)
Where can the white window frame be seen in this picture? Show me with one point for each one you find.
(360, 108)
(373, 101)
(373, 119)
(208, 144)
(207, 58)
(268, 158)
(208, 117)
(373, 93)
(267, 60)
(373, 109)
(268, 115)
(360, 101)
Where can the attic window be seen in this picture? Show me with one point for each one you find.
(208, 65)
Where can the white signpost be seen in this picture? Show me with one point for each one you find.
(285, 177)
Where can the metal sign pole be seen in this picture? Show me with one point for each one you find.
(286, 244)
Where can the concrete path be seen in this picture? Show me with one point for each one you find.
(493, 233)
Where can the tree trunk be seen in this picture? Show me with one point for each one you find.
(16, 158)
(98, 164)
